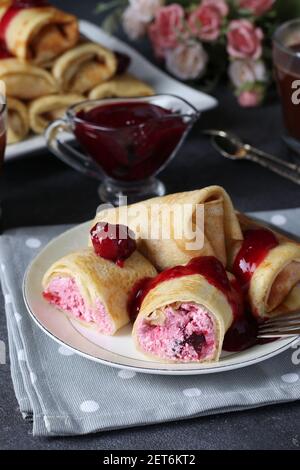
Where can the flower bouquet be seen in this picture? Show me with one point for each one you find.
(201, 41)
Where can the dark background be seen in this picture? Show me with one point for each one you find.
(39, 189)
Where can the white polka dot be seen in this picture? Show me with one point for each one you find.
(278, 219)
(192, 392)
(2, 267)
(126, 374)
(33, 377)
(47, 423)
(18, 317)
(33, 243)
(21, 355)
(290, 378)
(89, 406)
(65, 351)
(8, 299)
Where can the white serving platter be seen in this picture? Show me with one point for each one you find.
(116, 351)
(141, 67)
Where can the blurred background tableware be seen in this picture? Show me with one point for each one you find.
(286, 59)
(282, 327)
(123, 142)
(231, 146)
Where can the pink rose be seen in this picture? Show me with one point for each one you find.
(206, 20)
(133, 26)
(246, 71)
(187, 61)
(244, 40)
(167, 25)
(257, 7)
(249, 99)
(146, 8)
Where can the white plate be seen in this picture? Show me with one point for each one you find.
(140, 67)
(117, 351)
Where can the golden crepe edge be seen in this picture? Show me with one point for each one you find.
(121, 86)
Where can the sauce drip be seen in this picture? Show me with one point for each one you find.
(208, 266)
(256, 245)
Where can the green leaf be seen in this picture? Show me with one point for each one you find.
(110, 5)
(111, 22)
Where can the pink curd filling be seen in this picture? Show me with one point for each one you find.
(64, 294)
(187, 334)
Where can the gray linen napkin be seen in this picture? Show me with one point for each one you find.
(65, 394)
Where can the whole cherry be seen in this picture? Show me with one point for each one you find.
(113, 242)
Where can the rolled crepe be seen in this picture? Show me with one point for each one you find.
(40, 34)
(274, 287)
(183, 320)
(168, 238)
(95, 290)
(48, 108)
(25, 81)
(123, 86)
(17, 122)
(82, 68)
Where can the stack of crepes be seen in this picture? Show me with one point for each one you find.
(200, 292)
(47, 66)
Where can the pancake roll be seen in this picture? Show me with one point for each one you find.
(25, 81)
(94, 290)
(43, 111)
(267, 264)
(83, 67)
(37, 34)
(121, 86)
(185, 313)
(17, 121)
(215, 233)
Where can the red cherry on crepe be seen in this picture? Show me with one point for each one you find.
(113, 242)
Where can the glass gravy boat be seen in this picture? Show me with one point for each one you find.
(124, 142)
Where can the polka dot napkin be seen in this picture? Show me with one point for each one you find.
(65, 394)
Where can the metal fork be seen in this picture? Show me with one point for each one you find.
(286, 325)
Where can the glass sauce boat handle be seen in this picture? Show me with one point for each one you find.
(67, 153)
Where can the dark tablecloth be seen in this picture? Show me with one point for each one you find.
(39, 189)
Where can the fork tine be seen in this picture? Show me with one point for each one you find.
(277, 335)
(290, 331)
(280, 326)
(282, 318)
(283, 326)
